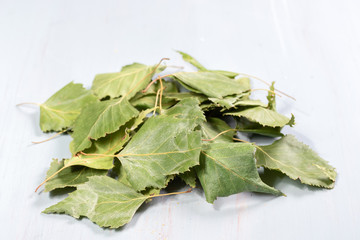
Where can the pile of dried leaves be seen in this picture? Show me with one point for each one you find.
(133, 132)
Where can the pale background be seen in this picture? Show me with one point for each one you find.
(311, 48)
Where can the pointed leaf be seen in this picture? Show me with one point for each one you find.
(225, 73)
(200, 67)
(120, 83)
(62, 108)
(298, 161)
(69, 177)
(192, 61)
(265, 117)
(107, 145)
(211, 84)
(165, 145)
(189, 177)
(229, 168)
(103, 200)
(99, 119)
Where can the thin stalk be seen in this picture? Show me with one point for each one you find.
(163, 59)
(228, 130)
(48, 139)
(264, 89)
(28, 103)
(259, 79)
(153, 81)
(168, 194)
(47, 179)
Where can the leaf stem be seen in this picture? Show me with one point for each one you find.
(28, 103)
(256, 89)
(168, 194)
(156, 101)
(53, 175)
(257, 146)
(97, 154)
(173, 66)
(163, 59)
(161, 93)
(153, 81)
(221, 133)
(259, 79)
(55, 135)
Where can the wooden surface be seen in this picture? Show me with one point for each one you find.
(310, 48)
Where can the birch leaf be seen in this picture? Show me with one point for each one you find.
(200, 67)
(171, 147)
(182, 95)
(213, 126)
(235, 101)
(189, 177)
(192, 61)
(211, 84)
(225, 73)
(62, 108)
(103, 200)
(69, 177)
(229, 168)
(99, 119)
(120, 83)
(247, 126)
(108, 145)
(263, 116)
(297, 161)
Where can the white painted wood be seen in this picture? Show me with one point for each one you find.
(311, 48)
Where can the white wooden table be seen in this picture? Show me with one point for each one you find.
(311, 48)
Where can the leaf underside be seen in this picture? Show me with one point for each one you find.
(103, 200)
(62, 108)
(70, 177)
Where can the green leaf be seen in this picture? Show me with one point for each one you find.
(192, 61)
(165, 145)
(211, 84)
(169, 87)
(70, 177)
(121, 83)
(200, 67)
(108, 145)
(213, 127)
(264, 131)
(103, 200)
(189, 177)
(263, 116)
(271, 97)
(225, 73)
(182, 95)
(141, 101)
(297, 161)
(229, 168)
(291, 123)
(62, 108)
(247, 126)
(236, 101)
(99, 119)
